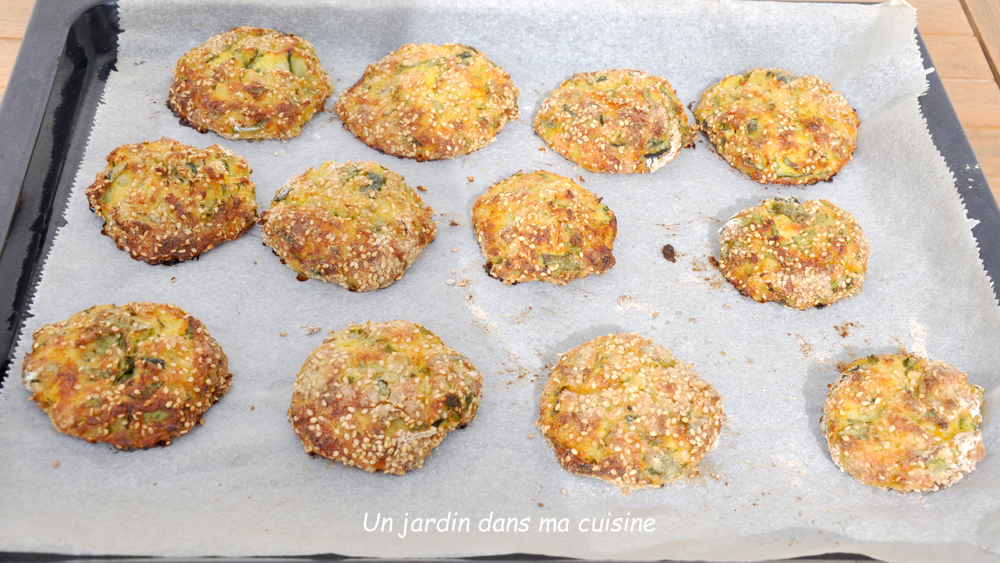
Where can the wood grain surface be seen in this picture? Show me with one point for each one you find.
(962, 36)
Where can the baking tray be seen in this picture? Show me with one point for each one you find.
(54, 92)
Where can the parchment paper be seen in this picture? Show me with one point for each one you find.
(242, 484)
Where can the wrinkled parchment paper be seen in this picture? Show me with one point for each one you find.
(242, 485)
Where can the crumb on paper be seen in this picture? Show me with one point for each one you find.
(543, 149)
(580, 178)
(454, 249)
(669, 253)
(530, 436)
(283, 334)
(564, 492)
(55, 463)
(173, 280)
(421, 189)
(656, 314)
(844, 330)
(454, 223)
(451, 281)
(471, 179)
(805, 348)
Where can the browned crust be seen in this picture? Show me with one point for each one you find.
(429, 102)
(621, 408)
(164, 202)
(133, 376)
(903, 422)
(381, 396)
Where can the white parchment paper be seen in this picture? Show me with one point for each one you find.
(242, 484)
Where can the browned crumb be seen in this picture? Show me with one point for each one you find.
(669, 253)
(844, 330)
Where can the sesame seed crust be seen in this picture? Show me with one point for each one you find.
(903, 422)
(381, 396)
(358, 225)
(623, 409)
(543, 226)
(165, 202)
(133, 376)
(779, 128)
(798, 254)
(249, 83)
(429, 102)
(621, 121)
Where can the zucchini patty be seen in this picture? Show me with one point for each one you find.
(133, 376)
(249, 83)
(903, 422)
(165, 202)
(429, 102)
(779, 128)
(357, 225)
(381, 396)
(620, 120)
(801, 255)
(623, 409)
(543, 226)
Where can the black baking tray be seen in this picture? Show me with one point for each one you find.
(45, 121)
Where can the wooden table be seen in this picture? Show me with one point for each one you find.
(963, 37)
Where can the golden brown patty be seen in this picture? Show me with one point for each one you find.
(381, 396)
(164, 202)
(357, 225)
(623, 409)
(249, 83)
(133, 376)
(543, 226)
(798, 254)
(903, 422)
(429, 102)
(617, 120)
(779, 128)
